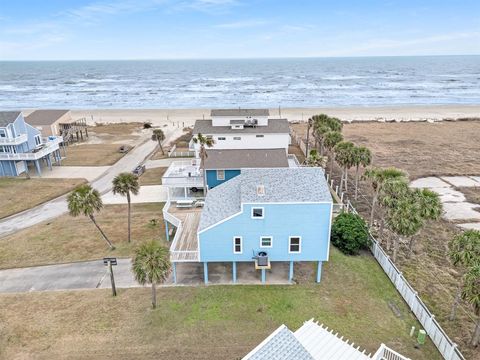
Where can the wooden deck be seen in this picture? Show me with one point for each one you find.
(185, 247)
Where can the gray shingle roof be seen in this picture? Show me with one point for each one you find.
(240, 112)
(45, 117)
(7, 117)
(280, 345)
(248, 158)
(295, 185)
(275, 126)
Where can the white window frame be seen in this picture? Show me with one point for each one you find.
(290, 244)
(234, 245)
(221, 178)
(258, 217)
(266, 237)
(38, 140)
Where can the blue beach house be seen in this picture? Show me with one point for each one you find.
(262, 217)
(21, 144)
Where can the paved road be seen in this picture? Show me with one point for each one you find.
(73, 276)
(58, 206)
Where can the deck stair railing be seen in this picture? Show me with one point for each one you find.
(385, 353)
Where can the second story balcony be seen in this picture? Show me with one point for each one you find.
(48, 146)
(17, 140)
(186, 173)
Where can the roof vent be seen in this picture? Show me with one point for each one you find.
(260, 190)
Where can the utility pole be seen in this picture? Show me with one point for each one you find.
(110, 262)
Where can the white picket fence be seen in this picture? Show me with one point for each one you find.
(442, 341)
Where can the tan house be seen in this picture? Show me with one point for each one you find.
(48, 121)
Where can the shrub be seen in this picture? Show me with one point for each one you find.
(350, 233)
(147, 125)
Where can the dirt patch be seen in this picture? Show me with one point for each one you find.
(295, 150)
(92, 155)
(67, 239)
(472, 194)
(20, 194)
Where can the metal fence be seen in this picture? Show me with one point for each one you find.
(447, 348)
(174, 153)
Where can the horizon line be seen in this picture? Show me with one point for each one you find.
(241, 58)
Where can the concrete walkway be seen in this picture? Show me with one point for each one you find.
(74, 172)
(73, 276)
(147, 194)
(58, 206)
(455, 206)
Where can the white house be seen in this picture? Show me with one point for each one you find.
(243, 129)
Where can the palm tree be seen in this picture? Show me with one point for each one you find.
(378, 177)
(87, 200)
(344, 157)
(315, 160)
(332, 138)
(362, 156)
(126, 184)
(464, 252)
(208, 142)
(471, 294)
(404, 220)
(158, 135)
(321, 125)
(151, 265)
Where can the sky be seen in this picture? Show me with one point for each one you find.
(193, 29)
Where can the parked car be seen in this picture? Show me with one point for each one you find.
(123, 149)
(139, 170)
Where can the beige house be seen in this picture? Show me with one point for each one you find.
(48, 121)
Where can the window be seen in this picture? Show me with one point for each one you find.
(294, 244)
(222, 138)
(220, 174)
(266, 241)
(38, 140)
(3, 133)
(257, 213)
(237, 138)
(237, 245)
(260, 136)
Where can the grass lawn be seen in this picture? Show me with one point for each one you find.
(67, 239)
(152, 176)
(92, 155)
(214, 322)
(19, 194)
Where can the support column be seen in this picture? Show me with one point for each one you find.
(263, 276)
(174, 272)
(290, 273)
(205, 272)
(166, 231)
(185, 192)
(49, 162)
(234, 272)
(37, 167)
(319, 271)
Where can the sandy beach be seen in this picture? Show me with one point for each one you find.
(187, 117)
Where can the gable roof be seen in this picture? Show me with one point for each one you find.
(280, 345)
(245, 158)
(311, 341)
(240, 112)
(45, 117)
(275, 126)
(8, 117)
(288, 185)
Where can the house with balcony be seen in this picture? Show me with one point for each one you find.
(261, 217)
(243, 129)
(313, 341)
(58, 123)
(22, 145)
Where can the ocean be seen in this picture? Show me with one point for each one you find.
(308, 82)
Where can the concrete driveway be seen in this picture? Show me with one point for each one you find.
(73, 276)
(146, 194)
(58, 206)
(74, 172)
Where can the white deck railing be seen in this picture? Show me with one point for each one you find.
(20, 139)
(385, 353)
(49, 147)
(178, 255)
(184, 173)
